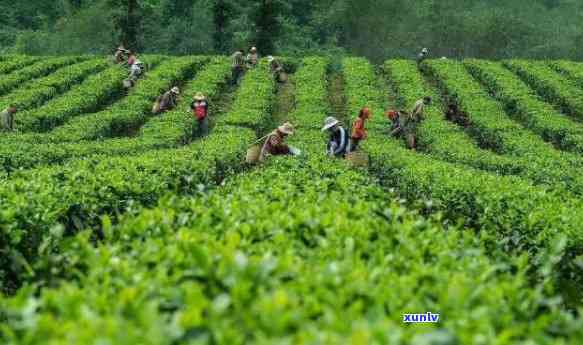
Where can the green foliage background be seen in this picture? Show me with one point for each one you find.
(377, 29)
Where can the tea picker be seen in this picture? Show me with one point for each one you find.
(339, 141)
(237, 67)
(359, 132)
(121, 55)
(277, 70)
(409, 123)
(7, 118)
(167, 101)
(273, 145)
(422, 55)
(252, 58)
(200, 109)
(136, 71)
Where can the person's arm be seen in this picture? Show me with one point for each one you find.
(416, 110)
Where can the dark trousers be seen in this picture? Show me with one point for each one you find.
(236, 75)
(202, 128)
(354, 144)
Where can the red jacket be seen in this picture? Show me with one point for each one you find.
(274, 145)
(199, 109)
(358, 130)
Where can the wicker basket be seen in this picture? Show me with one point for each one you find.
(156, 107)
(282, 77)
(357, 159)
(253, 154)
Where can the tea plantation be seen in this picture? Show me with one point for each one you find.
(122, 227)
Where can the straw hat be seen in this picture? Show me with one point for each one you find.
(199, 96)
(175, 90)
(329, 123)
(286, 128)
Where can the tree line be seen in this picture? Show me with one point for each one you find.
(377, 29)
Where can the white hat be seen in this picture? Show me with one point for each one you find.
(329, 123)
(286, 128)
(424, 50)
(253, 48)
(175, 90)
(270, 58)
(138, 62)
(199, 96)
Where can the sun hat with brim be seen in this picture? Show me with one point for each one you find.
(175, 90)
(329, 123)
(199, 96)
(286, 128)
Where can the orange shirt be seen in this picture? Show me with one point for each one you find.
(358, 130)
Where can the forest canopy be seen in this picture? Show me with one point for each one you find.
(377, 29)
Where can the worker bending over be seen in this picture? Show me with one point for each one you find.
(136, 71)
(395, 117)
(121, 55)
(168, 100)
(275, 143)
(339, 142)
(454, 114)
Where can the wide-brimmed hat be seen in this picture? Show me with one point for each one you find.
(286, 128)
(329, 123)
(199, 96)
(175, 90)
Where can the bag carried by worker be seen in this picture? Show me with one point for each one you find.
(128, 83)
(357, 159)
(282, 77)
(156, 106)
(253, 154)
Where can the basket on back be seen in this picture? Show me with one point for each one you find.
(357, 159)
(282, 77)
(253, 154)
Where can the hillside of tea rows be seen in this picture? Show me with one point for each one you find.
(122, 227)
